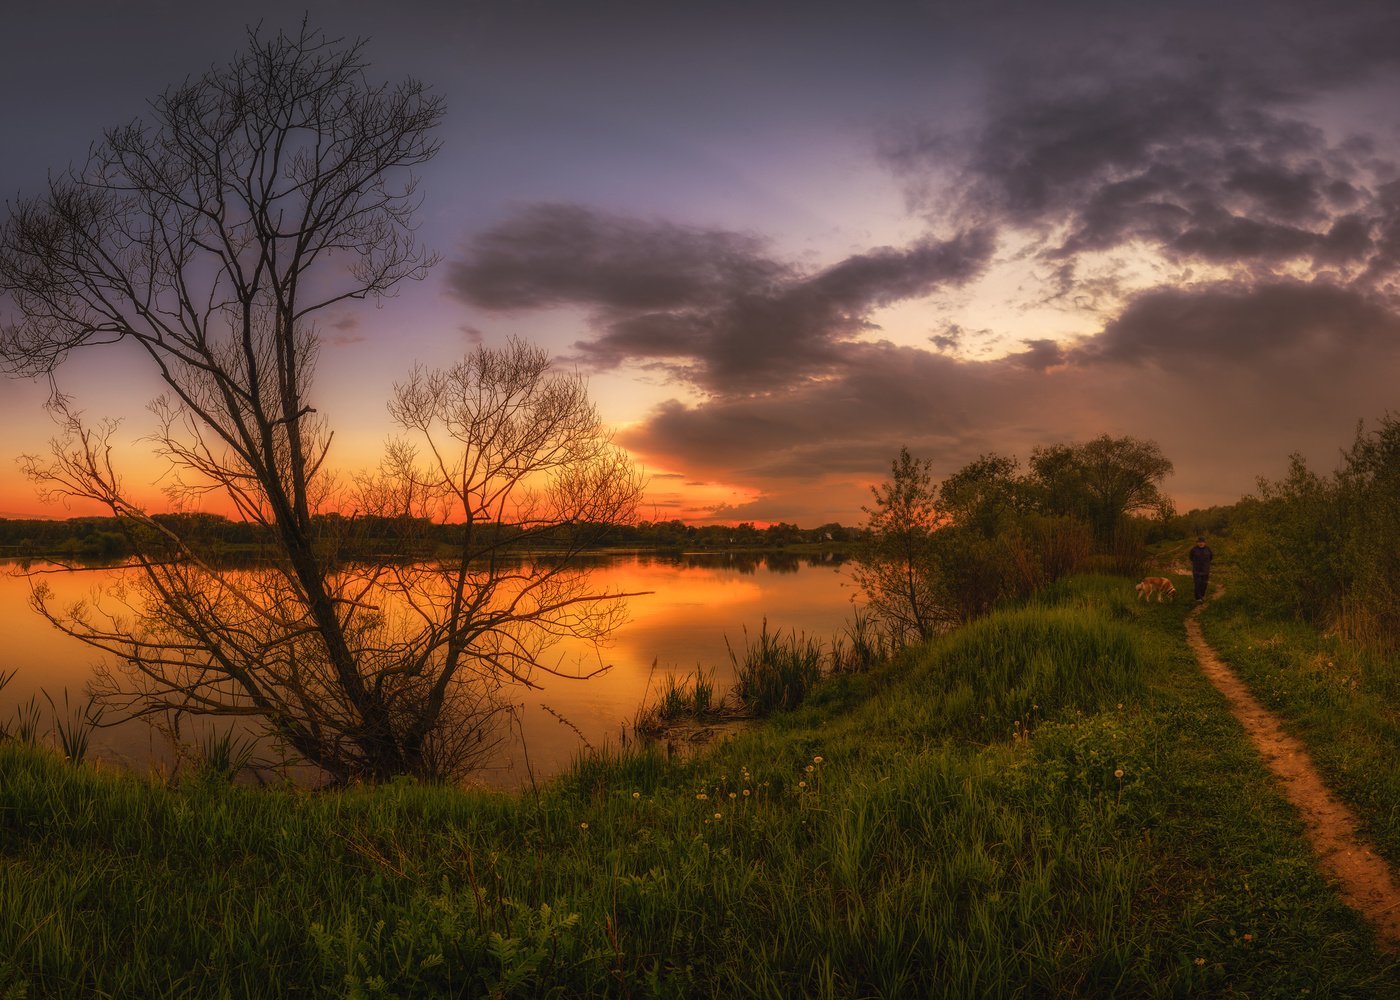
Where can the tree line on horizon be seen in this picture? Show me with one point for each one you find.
(103, 539)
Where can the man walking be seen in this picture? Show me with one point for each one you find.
(1201, 556)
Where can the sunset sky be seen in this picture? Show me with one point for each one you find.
(785, 238)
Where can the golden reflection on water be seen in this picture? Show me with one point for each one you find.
(681, 624)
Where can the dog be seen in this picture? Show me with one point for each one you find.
(1158, 585)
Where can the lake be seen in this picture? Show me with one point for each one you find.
(693, 603)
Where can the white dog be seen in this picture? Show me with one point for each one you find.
(1158, 585)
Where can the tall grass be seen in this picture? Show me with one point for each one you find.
(70, 730)
(775, 671)
(907, 844)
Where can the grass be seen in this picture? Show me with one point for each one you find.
(1052, 802)
(1342, 700)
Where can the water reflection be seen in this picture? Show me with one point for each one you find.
(693, 602)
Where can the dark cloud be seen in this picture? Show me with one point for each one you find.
(1229, 382)
(556, 254)
(1200, 140)
(1188, 140)
(705, 304)
(1299, 324)
(1040, 354)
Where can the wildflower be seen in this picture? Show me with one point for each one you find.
(583, 826)
(733, 794)
(817, 759)
(1199, 961)
(1118, 773)
(701, 796)
(746, 791)
(810, 768)
(1249, 937)
(718, 815)
(802, 784)
(636, 795)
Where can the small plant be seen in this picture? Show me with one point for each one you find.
(28, 723)
(73, 726)
(223, 756)
(862, 644)
(776, 671)
(5, 678)
(686, 698)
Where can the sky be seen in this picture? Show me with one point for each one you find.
(785, 239)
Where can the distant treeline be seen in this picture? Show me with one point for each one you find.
(106, 537)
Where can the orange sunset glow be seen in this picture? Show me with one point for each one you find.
(780, 257)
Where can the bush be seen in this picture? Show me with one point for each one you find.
(1326, 548)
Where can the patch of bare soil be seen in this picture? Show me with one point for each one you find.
(1364, 880)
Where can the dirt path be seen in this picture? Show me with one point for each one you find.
(1363, 878)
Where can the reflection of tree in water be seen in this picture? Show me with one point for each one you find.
(747, 561)
(783, 562)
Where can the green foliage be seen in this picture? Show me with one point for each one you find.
(1000, 676)
(1101, 481)
(1339, 696)
(1326, 548)
(941, 555)
(898, 568)
(775, 671)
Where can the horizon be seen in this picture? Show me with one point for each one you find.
(783, 242)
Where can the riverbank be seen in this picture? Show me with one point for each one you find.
(1052, 801)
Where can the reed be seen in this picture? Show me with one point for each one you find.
(775, 670)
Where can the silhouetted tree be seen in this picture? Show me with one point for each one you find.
(210, 237)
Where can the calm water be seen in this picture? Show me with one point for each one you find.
(695, 602)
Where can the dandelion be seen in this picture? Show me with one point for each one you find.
(1249, 937)
(636, 795)
(701, 796)
(802, 784)
(810, 768)
(1199, 961)
(817, 759)
(1118, 773)
(718, 815)
(583, 826)
(735, 794)
(746, 792)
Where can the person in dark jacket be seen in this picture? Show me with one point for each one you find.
(1201, 555)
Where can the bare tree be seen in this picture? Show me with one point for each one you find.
(209, 237)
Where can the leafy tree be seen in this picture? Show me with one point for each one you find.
(210, 237)
(1327, 547)
(984, 494)
(898, 568)
(1101, 481)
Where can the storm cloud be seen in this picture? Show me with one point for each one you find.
(1230, 244)
(709, 306)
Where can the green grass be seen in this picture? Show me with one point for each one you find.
(1343, 701)
(1052, 802)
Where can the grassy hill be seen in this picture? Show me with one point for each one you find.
(1050, 802)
